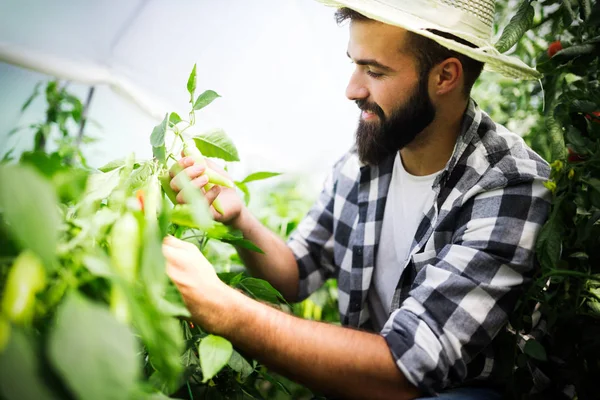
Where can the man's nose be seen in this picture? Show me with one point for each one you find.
(356, 90)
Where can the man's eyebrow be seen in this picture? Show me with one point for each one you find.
(372, 63)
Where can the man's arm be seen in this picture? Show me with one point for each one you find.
(337, 361)
(277, 265)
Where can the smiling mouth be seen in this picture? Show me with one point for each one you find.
(365, 114)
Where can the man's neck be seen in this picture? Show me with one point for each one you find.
(433, 147)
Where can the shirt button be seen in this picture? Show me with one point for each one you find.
(359, 251)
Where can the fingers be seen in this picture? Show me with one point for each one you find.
(192, 172)
(172, 241)
(199, 183)
(212, 194)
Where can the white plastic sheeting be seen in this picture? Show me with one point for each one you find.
(280, 66)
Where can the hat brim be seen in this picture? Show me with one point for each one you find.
(495, 61)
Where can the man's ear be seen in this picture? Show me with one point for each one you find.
(448, 76)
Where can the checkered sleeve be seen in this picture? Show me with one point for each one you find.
(464, 292)
(312, 242)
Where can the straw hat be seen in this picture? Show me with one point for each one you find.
(471, 20)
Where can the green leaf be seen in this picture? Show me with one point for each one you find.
(157, 139)
(594, 183)
(556, 138)
(69, 182)
(182, 215)
(535, 349)
(261, 290)
(21, 375)
(239, 364)
(549, 242)
(99, 265)
(275, 382)
(243, 243)
(112, 165)
(233, 237)
(36, 92)
(216, 143)
(152, 266)
(101, 185)
(214, 351)
(244, 188)
(139, 177)
(518, 25)
(205, 99)
(30, 209)
(160, 153)
(191, 84)
(87, 333)
(174, 119)
(173, 310)
(257, 176)
(568, 12)
(230, 278)
(574, 51)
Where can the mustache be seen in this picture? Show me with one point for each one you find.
(365, 105)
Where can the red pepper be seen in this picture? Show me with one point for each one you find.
(574, 158)
(596, 114)
(554, 48)
(140, 197)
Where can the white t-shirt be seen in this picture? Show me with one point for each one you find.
(409, 197)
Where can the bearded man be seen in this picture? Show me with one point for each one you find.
(428, 223)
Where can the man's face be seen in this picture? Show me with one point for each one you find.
(393, 98)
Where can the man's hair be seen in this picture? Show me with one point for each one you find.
(427, 52)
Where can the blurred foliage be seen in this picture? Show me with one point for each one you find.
(555, 330)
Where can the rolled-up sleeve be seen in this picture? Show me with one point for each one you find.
(463, 293)
(312, 242)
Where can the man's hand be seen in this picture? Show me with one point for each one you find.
(230, 201)
(195, 277)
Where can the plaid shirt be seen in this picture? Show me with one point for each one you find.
(470, 257)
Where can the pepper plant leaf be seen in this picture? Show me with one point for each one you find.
(535, 349)
(205, 99)
(191, 84)
(20, 372)
(261, 290)
(215, 143)
(518, 25)
(29, 205)
(215, 352)
(110, 351)
(258, 176)
(174, 119)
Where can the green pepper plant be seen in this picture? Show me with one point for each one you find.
(88, 311)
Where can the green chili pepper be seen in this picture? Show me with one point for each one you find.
(26, 278)
(214, 178)
(119, 305)
(125, 244)
(190, 150)
(165, 182)
(4, 332)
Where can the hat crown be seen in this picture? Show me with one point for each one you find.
(465, 18)
(483, 10)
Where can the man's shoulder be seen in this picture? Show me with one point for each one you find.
(347, 167)
(506, 154)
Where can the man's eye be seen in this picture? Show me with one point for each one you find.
(374, 74)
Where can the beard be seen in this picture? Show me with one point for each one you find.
(376, 140)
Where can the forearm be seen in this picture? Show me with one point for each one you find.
(334, 360)
(277, 265)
